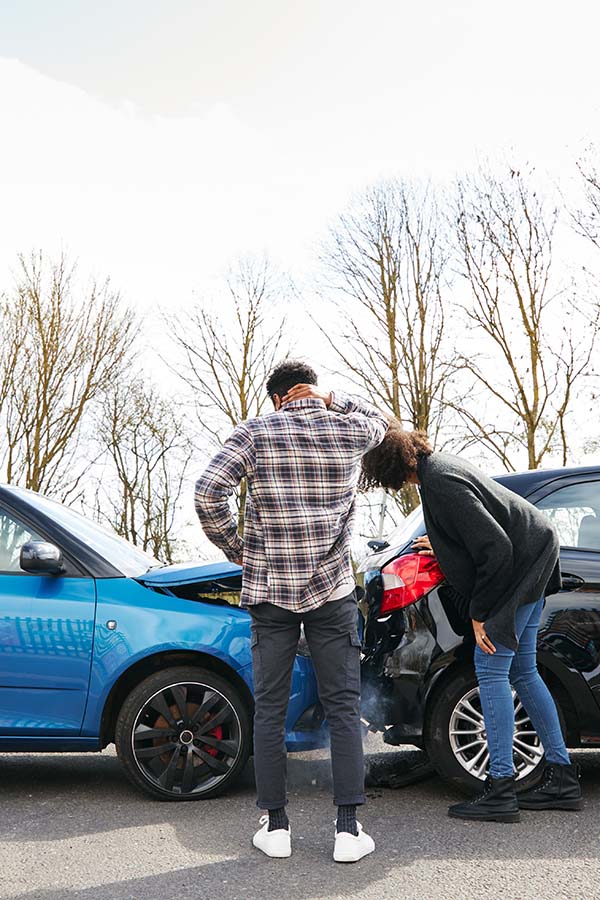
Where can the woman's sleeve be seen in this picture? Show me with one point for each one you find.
(485, 541)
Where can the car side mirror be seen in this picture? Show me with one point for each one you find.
(41, 558)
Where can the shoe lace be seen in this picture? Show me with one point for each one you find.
(486, 789)
(546, 780)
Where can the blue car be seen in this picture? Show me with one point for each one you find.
(100, 643)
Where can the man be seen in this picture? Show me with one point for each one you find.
(302, 464)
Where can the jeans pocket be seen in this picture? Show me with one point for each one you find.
(482, 661)
(257, 673)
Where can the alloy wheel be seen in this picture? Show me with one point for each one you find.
(468, 739)
(186, 738)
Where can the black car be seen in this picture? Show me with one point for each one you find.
(419, 683)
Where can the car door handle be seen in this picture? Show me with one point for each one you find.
(571, 582)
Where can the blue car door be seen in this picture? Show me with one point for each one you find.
(46, 635)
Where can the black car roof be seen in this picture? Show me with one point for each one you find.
(525, 482)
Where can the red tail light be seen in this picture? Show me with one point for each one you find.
(407, 579)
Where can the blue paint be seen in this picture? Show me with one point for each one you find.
(46, 640)
(186, 573)
(59, 661)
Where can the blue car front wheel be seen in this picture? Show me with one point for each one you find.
(183, 734)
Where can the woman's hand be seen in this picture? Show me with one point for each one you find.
(304, 391)
(483, 641)
(423, 545)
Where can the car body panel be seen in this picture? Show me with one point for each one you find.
(186, 573)
(46, 642)
(148, 623)
(428, 646)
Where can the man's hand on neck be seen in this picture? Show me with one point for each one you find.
(304, 392)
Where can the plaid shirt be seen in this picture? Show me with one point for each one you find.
(302, 466)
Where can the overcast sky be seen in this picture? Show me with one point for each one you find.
(157, 140)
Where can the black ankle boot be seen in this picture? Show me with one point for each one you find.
(558, 789)
(498, 803)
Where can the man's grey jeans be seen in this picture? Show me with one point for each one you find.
(332, 635)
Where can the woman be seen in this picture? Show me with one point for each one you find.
(501, 554)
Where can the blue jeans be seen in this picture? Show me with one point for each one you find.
(496, 673)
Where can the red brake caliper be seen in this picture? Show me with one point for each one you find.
(218, 734)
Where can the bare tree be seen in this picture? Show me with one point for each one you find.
(61, 346)
(531, 341)
(228, 356)
(587, 219)
(147, 456)
(386, 261)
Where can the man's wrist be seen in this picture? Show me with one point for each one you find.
(235, 550)
(336, 402)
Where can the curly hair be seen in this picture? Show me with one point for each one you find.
(287, 374)
(392, 463)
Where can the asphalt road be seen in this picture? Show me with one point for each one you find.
(72, 827)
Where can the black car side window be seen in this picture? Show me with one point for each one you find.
(13, 534)
(575, 511)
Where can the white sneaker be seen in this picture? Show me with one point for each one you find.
(351, 847)
(277, 844)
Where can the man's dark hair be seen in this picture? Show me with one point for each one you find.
(390, 464)
(287, 374)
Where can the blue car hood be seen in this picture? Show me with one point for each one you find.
(187, 573)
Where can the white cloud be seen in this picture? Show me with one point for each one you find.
(156, 202)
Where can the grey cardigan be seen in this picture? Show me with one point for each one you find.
(495, 548)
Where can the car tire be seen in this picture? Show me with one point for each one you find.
(450, 710)
(183, 733)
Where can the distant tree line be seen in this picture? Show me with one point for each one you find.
(453, 311)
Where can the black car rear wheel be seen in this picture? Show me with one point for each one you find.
(183, 734)
(456, 742)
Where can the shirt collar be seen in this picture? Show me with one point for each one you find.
(305, 403)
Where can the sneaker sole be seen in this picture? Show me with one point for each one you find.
(500, 817)
(285, 855)
(553, 804)
(351, 859)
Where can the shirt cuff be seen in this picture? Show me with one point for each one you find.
(339, 402)
(235, 550)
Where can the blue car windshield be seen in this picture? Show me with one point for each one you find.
(129, 560)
